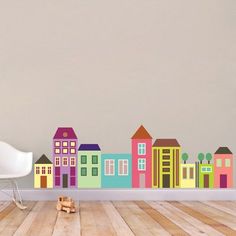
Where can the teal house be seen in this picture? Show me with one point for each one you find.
(116, 171)
(89, 166)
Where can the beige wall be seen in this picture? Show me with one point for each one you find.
(104, 67)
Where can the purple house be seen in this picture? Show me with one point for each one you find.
(65, 146)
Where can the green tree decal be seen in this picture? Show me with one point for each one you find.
(208, 157)
(185, 157)
(200, 157)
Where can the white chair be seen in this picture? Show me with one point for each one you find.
(14, 164)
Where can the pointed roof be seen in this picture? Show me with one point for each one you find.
(141, 133)
(89, 147)
(43, 160)
(65, 133)
(170, 142)
(223, 150)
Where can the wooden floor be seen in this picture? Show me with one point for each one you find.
(121, 218)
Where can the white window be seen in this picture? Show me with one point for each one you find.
(43, 170)
(141, 148)
(37, 170)
(206, 169)
(218, 163)
(227, 163)
(65, 161)
(57, 144)
(65, 144)
(49, 170)
(57, 150)
(72, 150)
(123, 167)
(57, 161)
(141, 164)
(109, 167)
(72, 161)
(65, 151)
(72, 144)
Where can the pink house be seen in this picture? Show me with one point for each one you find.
(223, 168)
(141, 159)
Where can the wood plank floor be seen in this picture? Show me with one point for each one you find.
(121, 218)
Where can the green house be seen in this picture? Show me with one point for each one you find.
(204, 175)
(89, 166)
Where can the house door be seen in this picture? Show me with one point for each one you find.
(223, 181)
(142, 180)
(166, 181)
(206, 181)
(65, 181)
(43, 182)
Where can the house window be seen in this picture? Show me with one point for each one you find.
(72, 181)
(57, 171)
(57, 181)
(65, 161)
(72, 144)
(141, 148)
(94, 159)
(64, 143)
(123, 167)
(166, 150)
(227, 162)
(94, 171)
(109, 167)
(43, 170)
(72, 150)
(37, 170)
(72, 161)
(166, 169)
(218, 163)
(83, 159)
(141, 164)
(191, 173)
(57, 144)
(57, 150)
(49, 170)
(65, 151)
(72, 171)
(57, 161)
(83, 171)
(184, 173)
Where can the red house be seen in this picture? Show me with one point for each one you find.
(141, 159)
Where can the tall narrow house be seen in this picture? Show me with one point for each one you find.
(65, 158)
(141, 159)
(166, 163)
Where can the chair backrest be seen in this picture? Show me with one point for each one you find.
(14, 161)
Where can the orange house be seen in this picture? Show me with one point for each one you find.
(223, 168)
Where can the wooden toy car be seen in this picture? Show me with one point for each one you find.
(66, 204)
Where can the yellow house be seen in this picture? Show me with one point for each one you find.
(43, 173)
(187, 175)
(166, 163)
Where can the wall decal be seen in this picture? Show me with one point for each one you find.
(64, 151)
(43, 173)
(116, 171)
(89, 166)
(141, 159)
(156, 165)
(223, 167)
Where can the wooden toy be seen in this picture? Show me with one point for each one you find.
(66, 204)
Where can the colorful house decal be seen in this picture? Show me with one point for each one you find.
(204, 175)
(43, 173)
(166, 163)
(141, 159)
(89, 166)
(187, 175)
(223, 168)
(116, 171)
(65, 158)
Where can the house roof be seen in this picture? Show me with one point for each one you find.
(223, 150)
(89, 147)
(141, 133)
(166, 143)
(43, 160)
(65, 133)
